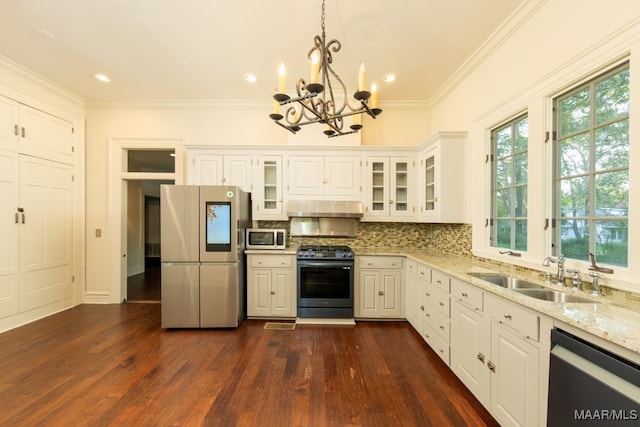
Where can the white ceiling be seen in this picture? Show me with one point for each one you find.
(200, 49)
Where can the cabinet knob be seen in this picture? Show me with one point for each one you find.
(273, 292)
(381, 293)
(507, 316)
(441, 304)
(441, 327)
(491, 366)
(464, 294)
(480, 357)
(427, 294)
(422, 307)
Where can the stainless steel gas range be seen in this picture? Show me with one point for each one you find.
(325, 281)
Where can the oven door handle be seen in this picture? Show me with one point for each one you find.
(347, 265)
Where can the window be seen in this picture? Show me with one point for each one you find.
(509, 171)
(591, 169)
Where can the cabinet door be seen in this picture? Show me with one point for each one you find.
(401, 187)
(268, 202)
(429, 202)
(237, 171)
(46, 194)
(368, 300)
(306, 175)
(342, 175)
(259, 292)
(41, 132)
(9, 127)
(377, 204)
(470, 350)
(390, 294)
(515, 380)
(207, 169)
(282, 292)
(414, 306)
(9, 226)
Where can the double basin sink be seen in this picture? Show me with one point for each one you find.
(530, 289)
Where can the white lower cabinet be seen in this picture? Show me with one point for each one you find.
(378, 292)
(495, 352)
(436, 306)
(413, 306)
(271, 286)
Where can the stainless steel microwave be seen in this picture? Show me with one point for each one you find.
(266, 238)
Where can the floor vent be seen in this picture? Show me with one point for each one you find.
(280, 326)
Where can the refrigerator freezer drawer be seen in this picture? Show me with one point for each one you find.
(180, 295)
(219, 295)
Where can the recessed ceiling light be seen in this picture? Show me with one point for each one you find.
(102, 77)
(251, 78)
(388, 78)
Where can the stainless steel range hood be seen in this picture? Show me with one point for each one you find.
(326, 218)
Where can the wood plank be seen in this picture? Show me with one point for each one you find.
(114, 365)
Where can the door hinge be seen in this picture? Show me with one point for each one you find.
(553, 135)
(73, 149)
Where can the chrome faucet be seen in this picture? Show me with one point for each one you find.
(576, 280)
(557, 260)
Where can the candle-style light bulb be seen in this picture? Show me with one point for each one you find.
(362, 78)
(315, 66)
(374, 95)
(282, 76)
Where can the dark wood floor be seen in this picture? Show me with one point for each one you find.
(99, 365)
(144, 287)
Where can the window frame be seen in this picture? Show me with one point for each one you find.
(592, 173)
(511, 124)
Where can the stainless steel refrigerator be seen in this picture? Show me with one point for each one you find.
(202, 253)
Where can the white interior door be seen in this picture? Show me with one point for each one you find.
(9, 225)
(46, 232)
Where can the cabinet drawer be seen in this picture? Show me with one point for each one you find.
(438, 322)
(412, 267)
(438, 299)
(379, 262)
(518, 318)
(441, 280)
(271, 260)
(467, 294)
(435, 341)
(424, 273)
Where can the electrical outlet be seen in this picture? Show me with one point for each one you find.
(98, 232)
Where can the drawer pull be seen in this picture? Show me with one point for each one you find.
(422, 307)
(441, 304)
(480, 357)
(441, 351)
(507, 316)
(439, 282)
(273, 292)
(464, 294)
(381, 293)
(427, 314)
(427, 294)
(491, 366)
(442, 327)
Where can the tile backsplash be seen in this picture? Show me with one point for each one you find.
(452, 239)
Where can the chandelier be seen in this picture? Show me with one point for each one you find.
(315, 101)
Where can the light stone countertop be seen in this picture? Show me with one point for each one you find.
(613, 323)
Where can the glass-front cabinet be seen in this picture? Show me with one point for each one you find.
(267, 201)
(390, 187)
(441, 184)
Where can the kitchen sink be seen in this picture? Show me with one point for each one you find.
(507, 281)
(551, 295)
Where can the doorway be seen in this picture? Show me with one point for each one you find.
(138, 168)
(143, 241)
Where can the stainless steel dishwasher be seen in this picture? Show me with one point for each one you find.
(589, 385)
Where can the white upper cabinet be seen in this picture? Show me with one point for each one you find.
(442, 177)
(390, 188)
(267, 189)
(219, 169)
(324, 175)
(34, 132)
